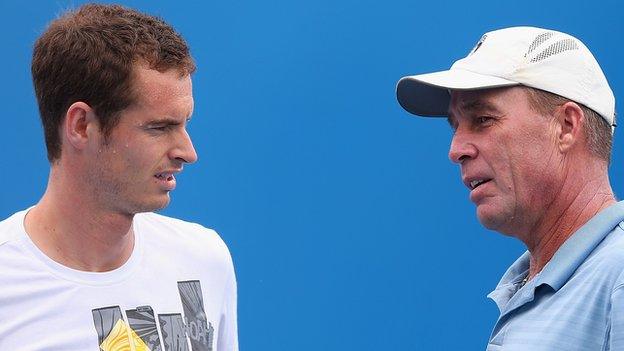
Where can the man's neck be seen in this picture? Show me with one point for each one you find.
(563, 217)
(73, 231)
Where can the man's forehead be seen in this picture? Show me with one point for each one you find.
(471, 99)
(152, 85)
(487, 100)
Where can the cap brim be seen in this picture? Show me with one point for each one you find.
(428, 94)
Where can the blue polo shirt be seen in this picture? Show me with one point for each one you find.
(576, 302)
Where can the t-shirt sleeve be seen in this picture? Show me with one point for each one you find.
(228, 329)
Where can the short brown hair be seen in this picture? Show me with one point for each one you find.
(88, 55)
(597, 129)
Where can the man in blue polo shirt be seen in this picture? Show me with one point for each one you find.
(533, 118)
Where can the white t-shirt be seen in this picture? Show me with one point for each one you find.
(176, 292)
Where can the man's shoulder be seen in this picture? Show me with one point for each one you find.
(10, 227)
(607, 260)
(177, 232)
(613, 244)
(171, 222)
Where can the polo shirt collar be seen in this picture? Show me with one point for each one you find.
(564, 263)
(575, 250)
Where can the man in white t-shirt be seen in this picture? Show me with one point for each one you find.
(90, 267)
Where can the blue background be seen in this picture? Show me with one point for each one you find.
(349, 227)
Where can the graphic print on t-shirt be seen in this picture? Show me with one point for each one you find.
(142, 322)
(140, 332)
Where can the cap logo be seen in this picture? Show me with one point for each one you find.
(478, 45)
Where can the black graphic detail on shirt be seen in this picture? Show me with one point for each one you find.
(142, 321)
(173, 332)
(178, 332)
(105, 319)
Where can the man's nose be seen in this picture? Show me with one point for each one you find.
(461, 148)
(184, 151)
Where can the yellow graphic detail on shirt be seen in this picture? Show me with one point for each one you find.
(119, 339)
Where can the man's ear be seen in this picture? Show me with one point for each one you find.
(80, 123)
(571, 120)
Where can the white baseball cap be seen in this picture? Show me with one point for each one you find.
(540, 58)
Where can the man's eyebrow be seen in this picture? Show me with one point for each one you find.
(476, 105)
(472, 106)
(165, 120)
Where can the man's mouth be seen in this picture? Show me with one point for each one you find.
(165, 176)
(477, 183)
(166, 179)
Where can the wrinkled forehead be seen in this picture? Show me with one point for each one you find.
(485, 101)
(466, 102)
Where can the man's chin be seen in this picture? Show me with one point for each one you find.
(490, 217)
(153, 205)
(161, 205)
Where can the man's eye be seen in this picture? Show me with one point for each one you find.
(160, 127)
(157, 129)
(483, 119)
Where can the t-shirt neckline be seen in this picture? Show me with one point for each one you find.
(78, 276)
